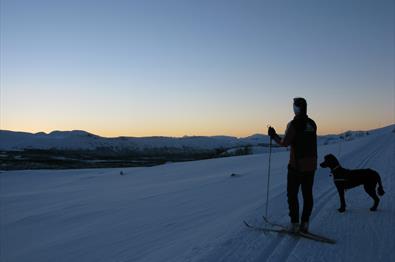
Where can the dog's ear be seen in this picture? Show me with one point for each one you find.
(333, 160)
(330, 156)
(323, 164)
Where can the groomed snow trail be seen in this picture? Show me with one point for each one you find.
(362, 235)
(193, 211)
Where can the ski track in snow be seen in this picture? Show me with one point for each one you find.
(286, 248)
(193, 211)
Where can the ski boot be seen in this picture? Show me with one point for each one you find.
(294, 227)
(304, 227)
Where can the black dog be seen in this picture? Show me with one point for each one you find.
(346, 179)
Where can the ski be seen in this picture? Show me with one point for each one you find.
(263, 229)
(317, 237)
(282, 230)
(272, 223)
(329, 240)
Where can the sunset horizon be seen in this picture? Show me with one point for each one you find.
(242, 135)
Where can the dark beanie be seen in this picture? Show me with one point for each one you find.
(301, 103)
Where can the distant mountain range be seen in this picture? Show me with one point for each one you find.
(82, 140)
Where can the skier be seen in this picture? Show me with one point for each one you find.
(301, 134)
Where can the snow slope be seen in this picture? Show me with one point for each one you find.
(193, 211)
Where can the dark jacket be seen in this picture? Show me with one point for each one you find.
(301, 135)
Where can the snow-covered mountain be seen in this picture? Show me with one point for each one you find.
(76, 139)
(194, 211)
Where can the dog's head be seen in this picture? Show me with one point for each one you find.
(330, 161)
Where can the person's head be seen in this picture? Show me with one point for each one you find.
(300, 106)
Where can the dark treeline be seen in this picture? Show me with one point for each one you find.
(106, 157)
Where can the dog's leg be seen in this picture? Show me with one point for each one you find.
(340, 190)
(380, 189)
(372, 193)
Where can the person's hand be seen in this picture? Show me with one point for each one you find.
(271, 132)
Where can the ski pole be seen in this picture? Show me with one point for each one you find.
(340, 144)
(268, 176)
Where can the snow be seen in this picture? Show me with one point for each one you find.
(193, 211)
(77, 139)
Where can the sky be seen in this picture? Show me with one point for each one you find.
(195, 67)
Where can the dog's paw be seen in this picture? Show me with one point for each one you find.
(341, 210)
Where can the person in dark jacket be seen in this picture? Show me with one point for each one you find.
(301, 135)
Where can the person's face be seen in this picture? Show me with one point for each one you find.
(297, 110)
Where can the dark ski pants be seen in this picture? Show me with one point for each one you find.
(295, 180)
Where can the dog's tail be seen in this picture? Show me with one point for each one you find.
(380, 189)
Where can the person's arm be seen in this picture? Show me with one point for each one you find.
(288, 137)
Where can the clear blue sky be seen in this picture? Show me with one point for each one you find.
(176, 68)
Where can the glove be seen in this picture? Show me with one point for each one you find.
(271, 132)
(273, 135)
